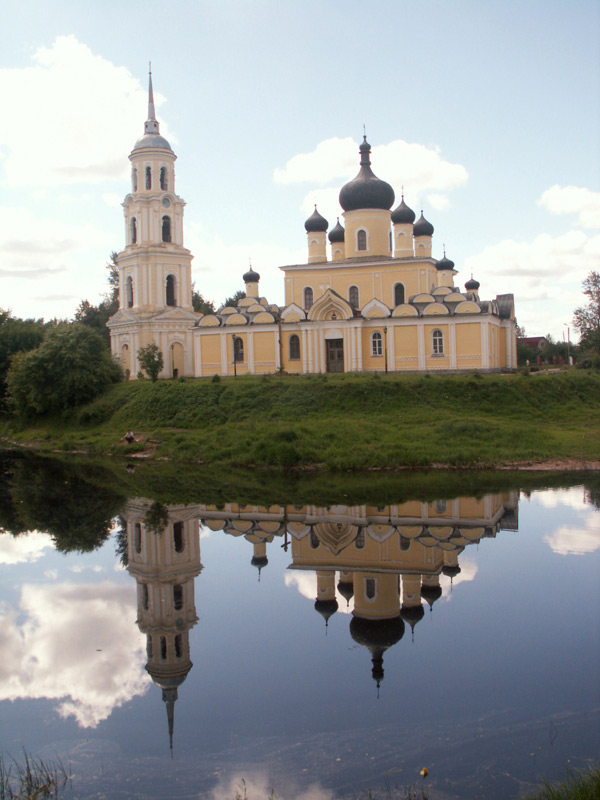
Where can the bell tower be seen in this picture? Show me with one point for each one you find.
(155, 269)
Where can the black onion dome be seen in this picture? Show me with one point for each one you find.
(431, 593)
(472, 285)
(451, 572)
(377, 635)
(412, 614)
(337, 233)
(259, 561)
(326, 608)
(366, 190)
(251, 276)
(346, 589)
(422, 227)
(444, 263)
(402, 214)
(316, 223)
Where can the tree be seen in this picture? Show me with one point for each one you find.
(586, 319)
(96, 317)
(151, 360)
(70, 367)
(16, 336)
(199, 304)
(234, 299)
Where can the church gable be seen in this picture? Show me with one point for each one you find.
(330, 306)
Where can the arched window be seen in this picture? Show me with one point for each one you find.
(134, 179)
(178, 647)
(437, 339)
(398, 294)
(163, 179)
(294, 347)
(137, 537)
(314, 540)
(133, 230)
(308, 298)
(129, 292)
(353, 296)
(170, 290)
(404, 543)
(163, 648)
(361, 240)
(238, 349)
(370, 588)
(166, 228)
(359, 542)
(391, 241)
(376, 344)
(148, 177)
(145, 597)
(178, 540)
(178, 597)
(149, 648)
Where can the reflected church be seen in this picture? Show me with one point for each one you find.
(384, 563)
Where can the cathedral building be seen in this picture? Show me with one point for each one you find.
(370, 298)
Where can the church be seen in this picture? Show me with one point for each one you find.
(370, 298)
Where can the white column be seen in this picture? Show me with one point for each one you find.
(277, 351)
(304, 351)
(391, 340)
(197, 349)
(322, 353)
(250, 351)
(224, 370)
(359, 332)
(421, 345)
(485, 346)
(452, 343)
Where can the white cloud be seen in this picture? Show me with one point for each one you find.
(417, 168)
(576, 540)
(23, 548)
(218, 265)
(468, 571)
(69, 117)
(544, 274)
(75, 644)
(306, 584)
(559, 498)
(573, 200)
(259, 785)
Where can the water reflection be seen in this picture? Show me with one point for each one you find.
(384, 563)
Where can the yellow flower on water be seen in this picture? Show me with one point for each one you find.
(424, 772)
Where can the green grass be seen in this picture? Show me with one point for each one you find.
(578, 786)
(338, 421)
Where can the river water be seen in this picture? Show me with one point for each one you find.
(317, 649)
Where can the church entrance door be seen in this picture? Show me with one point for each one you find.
(335, 355)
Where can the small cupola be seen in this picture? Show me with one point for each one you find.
(422, 232)
(422, 227)
(251, 279)
(336, 234)
(402, 220)
(316, 228)
(403, 214)
(472, 285)
(316, 223)
(151, 137)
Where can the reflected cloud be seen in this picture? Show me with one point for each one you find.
(75, 644)
(259, 785)
(567, 498)
(468, 571)
(569, 540)
(24, 548)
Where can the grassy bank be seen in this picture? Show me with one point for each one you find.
(337, 422)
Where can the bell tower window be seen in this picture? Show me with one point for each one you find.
(361, 240)
(133, 230)
(134, 179)
(164, 185)
(170, 291)
(129, 292)
(166, 228)
(308, 298)
(148, 177)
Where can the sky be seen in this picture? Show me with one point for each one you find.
(486, 111)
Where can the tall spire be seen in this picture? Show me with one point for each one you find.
(151, 124)
(169, 696)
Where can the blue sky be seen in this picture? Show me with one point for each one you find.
(486, 112)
